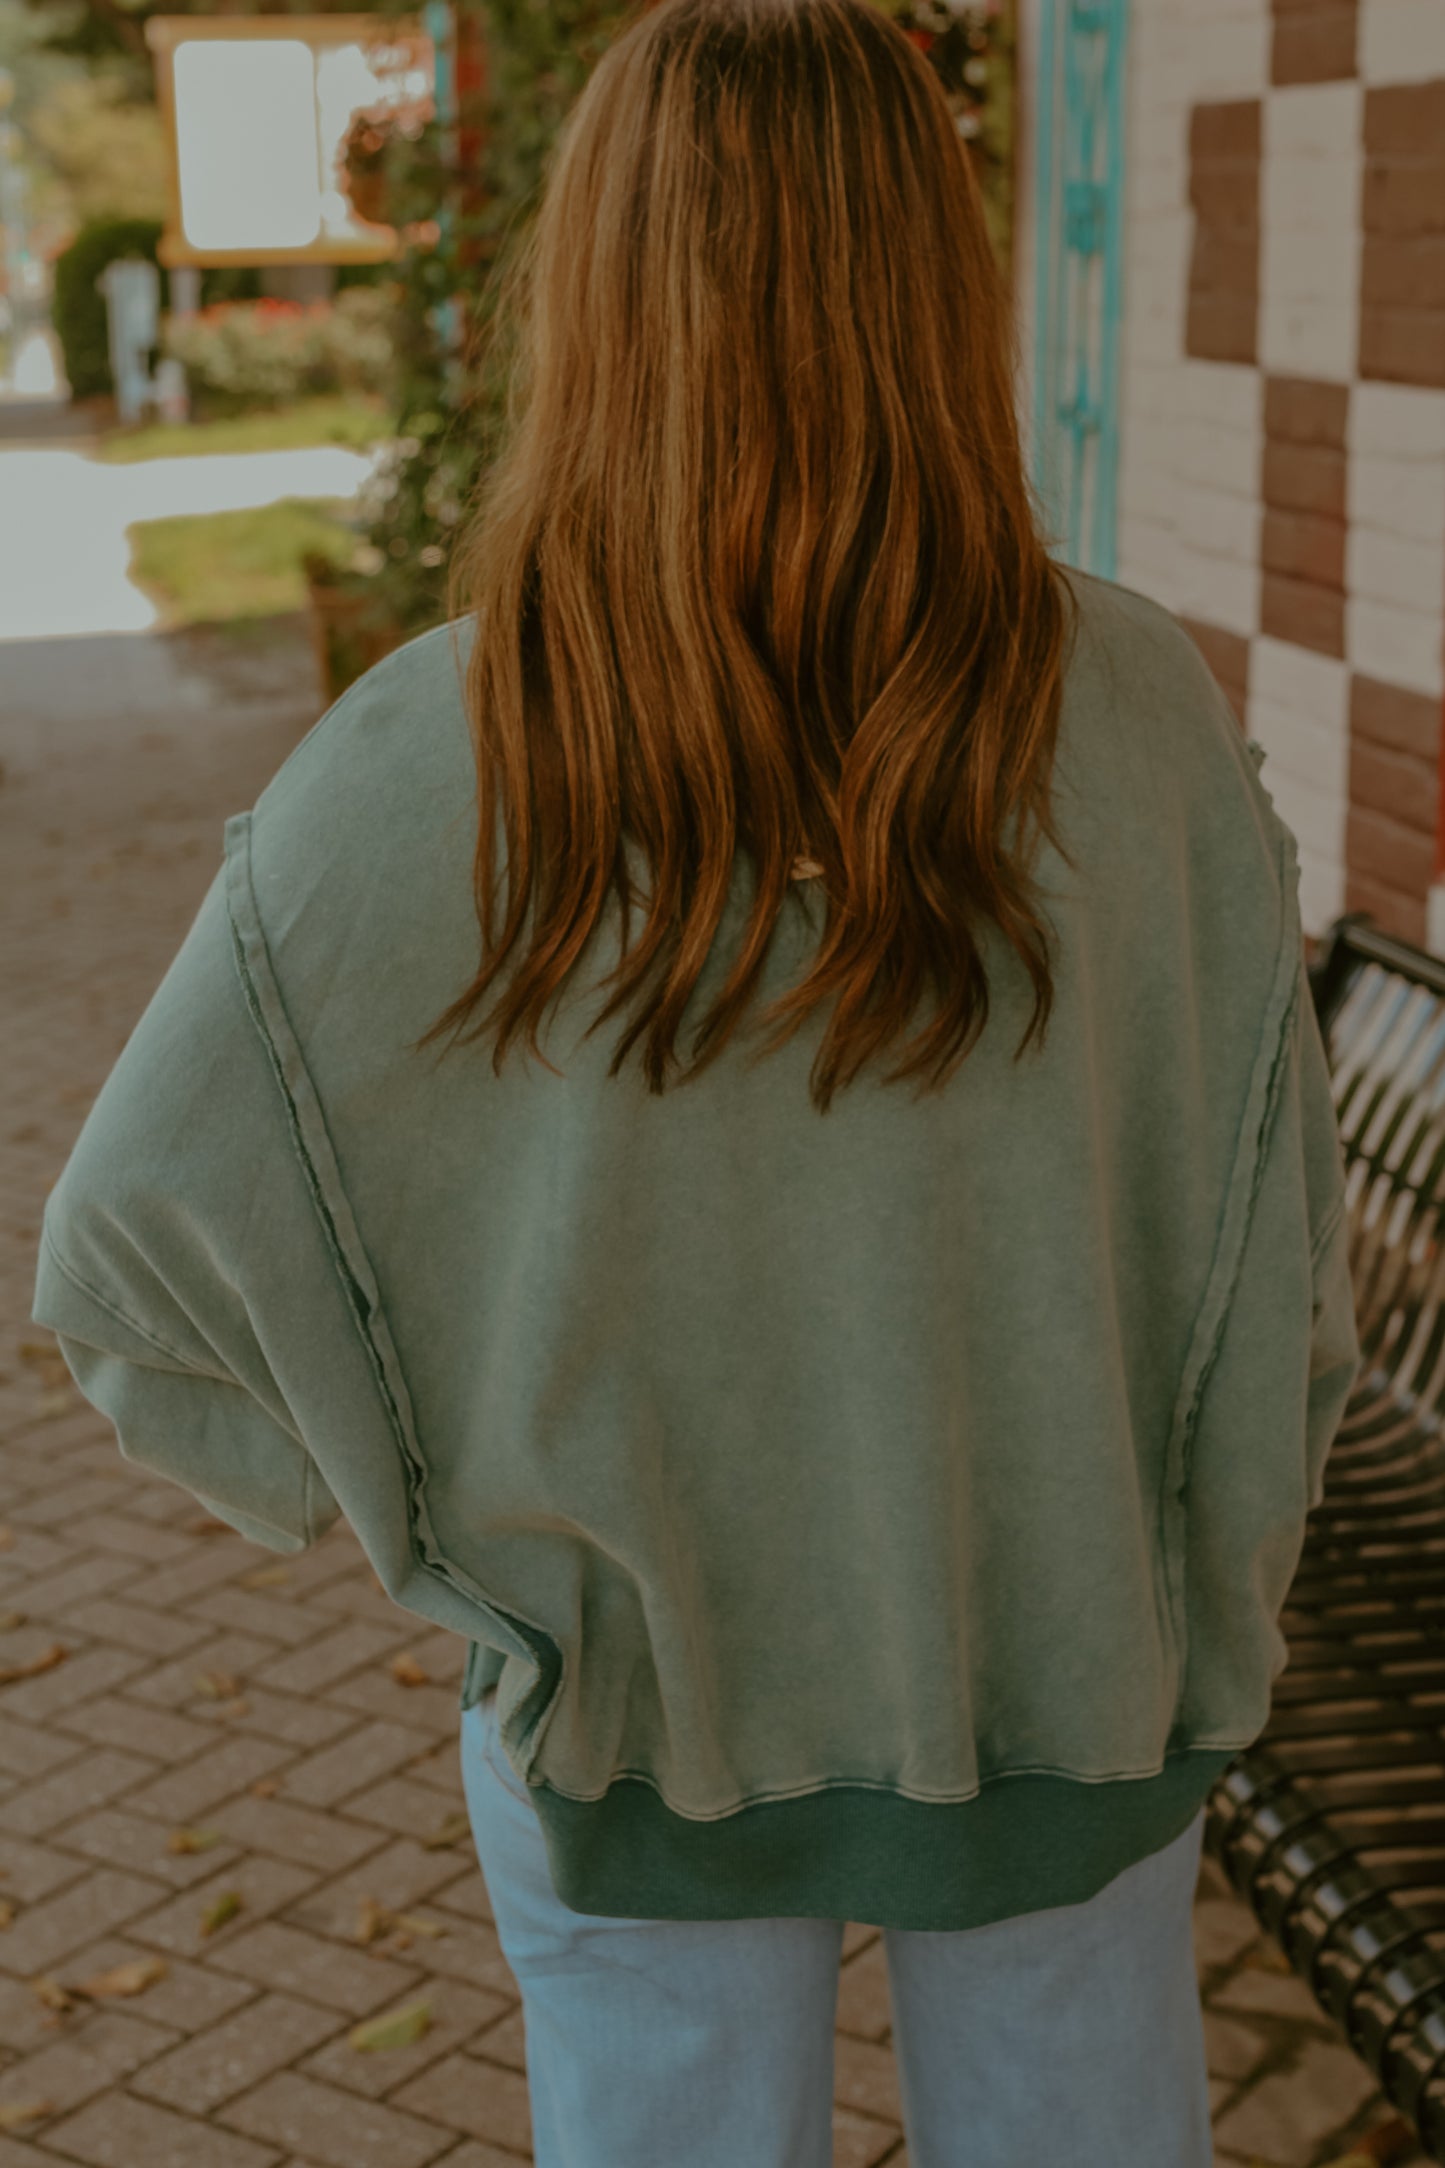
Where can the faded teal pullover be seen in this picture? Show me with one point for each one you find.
(883, 1515)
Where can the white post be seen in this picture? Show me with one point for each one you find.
(132, 289)
(185, 289)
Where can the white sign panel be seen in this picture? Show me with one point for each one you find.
(260, 109)
(247, 143)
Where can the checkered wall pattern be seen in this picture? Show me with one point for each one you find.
(1284, 388)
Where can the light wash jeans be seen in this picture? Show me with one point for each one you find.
(1072, 2036)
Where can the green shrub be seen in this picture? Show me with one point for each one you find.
(361, 339)
(78, 307)
(241, 356)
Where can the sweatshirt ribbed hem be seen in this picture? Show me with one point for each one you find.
(849, 1852)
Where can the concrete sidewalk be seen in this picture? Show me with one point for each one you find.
(206, 1686)
(65, 542)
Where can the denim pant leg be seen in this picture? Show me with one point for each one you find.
(1072, 2035)
(662, 2042)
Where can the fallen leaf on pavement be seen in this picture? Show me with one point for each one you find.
(374, 1920)
(1387, 2142)
(225, 1907)
(450, 1831)
(397, 2029)
(52, 1994)
(15, 2113)
(408, 1672)
(132, 1978)
(45, 1661)
(266, 1787)
(404, 1931)
(266, 1577)
(217, 1685)
(1268, 1957)
(207, 1527)
(193, 1840)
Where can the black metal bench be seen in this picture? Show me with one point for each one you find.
(1332, 1825)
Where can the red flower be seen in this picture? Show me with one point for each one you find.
(921, 38)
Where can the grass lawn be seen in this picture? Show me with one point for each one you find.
(354, 422)
(228, 565)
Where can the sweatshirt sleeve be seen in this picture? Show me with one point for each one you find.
(1282, 1373)
(183, 1194)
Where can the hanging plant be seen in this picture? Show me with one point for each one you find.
(363, 166)
(374, 156)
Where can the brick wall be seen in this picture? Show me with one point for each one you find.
(1402, 295)
(1282, 459)
(1222, 323)
(1303, 526)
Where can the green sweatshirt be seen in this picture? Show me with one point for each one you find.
(881, 1516)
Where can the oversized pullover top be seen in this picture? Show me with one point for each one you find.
(882, 1515)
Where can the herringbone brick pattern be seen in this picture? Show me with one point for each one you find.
(207, 1688)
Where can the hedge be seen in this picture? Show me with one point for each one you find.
(78, 305)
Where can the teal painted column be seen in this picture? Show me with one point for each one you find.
(1079, 192)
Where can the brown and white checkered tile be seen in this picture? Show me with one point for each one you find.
(1282, 479)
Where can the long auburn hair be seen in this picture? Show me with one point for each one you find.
(756, 569)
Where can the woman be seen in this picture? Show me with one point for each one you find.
(863, 1503)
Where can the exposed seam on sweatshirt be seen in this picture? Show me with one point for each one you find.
(173, 1362)
(1256, 1122)
(177, 1366)
(312, 1144)
(1326, 1235)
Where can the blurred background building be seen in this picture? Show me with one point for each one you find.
(1224, 226)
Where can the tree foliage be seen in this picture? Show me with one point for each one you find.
(107, 152)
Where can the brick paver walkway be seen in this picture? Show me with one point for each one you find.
(207, 1687)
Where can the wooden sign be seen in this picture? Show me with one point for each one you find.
(259, 111)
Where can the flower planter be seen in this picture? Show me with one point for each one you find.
(352, 627)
